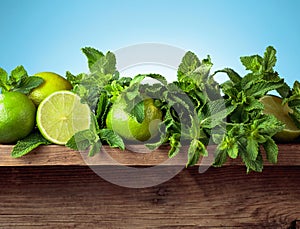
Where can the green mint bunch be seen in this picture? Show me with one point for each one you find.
(248, 130)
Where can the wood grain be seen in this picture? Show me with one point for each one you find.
(289, 155)
(53, 187)
(75, 197)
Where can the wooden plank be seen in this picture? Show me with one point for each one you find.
(289, 155)
(73, 196)
(43, 155)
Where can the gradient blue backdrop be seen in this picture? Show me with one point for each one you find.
(46, 35)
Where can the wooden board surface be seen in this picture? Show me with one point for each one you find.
(289, 155)
(75, 197)
(53, 188)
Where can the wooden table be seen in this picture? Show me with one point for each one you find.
(52, 187)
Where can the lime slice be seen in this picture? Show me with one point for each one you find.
(273, 105)
(61, 115)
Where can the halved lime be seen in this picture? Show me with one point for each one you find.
(273, 105)
(61, 115)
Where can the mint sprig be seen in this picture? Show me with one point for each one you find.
(28, 144)
(91, 139)
(18, 80)
(248, 129)
(102, 75)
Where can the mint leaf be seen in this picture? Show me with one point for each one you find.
(100, 64)
(18, 74)
(27, 144)
(220, 157)
(284, 91)
(163, 129)
(93, 55)
(178, 99)
(161, 79)
(175, 145)
(112, 138)
(82, 140)
(252, 148)
(271, 150)
(196, 149)
(268, 125)
(75, 79)
(140, 77)
(196, 74)
(296, 89)
(28, 84)
(252, 63)
(102, 109)
(109, 66)
(95, 148)
(233, 76)
(133, 92)
(229, 143)
(252, 104)
(72, 144)
(189, 63)
(260, 88)
(253, 165)
(138, 112)
(87, 139)
(203, 70)
(216, 114)
(233, 150)
(115, 89)
(250, 79)
(269, 59)
(163, 139)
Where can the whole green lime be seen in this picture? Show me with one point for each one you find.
(17, 117)
(52, 83)
(128, 127)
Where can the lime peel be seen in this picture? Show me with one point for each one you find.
(273, 106)
(128, 127)
(17, 117)
(52, 83)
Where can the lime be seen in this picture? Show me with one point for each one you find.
(61, 115)
(17, 116)
(52, 83)
(273, 105)
(128, 127)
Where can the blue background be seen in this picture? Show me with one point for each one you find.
(46, 35)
